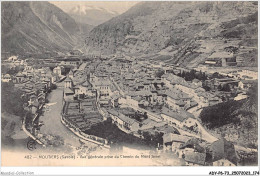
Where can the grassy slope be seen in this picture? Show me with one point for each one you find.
(234, 118)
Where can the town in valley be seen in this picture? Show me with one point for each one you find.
(150, 103)
(84, 104)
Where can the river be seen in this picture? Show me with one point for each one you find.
(52, 119)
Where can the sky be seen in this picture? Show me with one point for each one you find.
(117, 6)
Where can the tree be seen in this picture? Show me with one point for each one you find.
(158, 138)
(215, 75)
(28, 119)
(155, 85)
(162, 84)
(183, 74)
(252, 94)
(231, 49)
(12, 100)
(159, 73)
(207, 88)
(145, 115)
(200, 76)
(188, 76)
(53, 86)
(226, 88)
(13, 70)
(248, 125)
(204, 77)
(147, 136)
(193, 73)
(220, 87)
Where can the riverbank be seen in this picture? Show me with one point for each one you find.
(84, 136)
(51, 119)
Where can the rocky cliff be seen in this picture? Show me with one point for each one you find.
(37, 27)
(176, 31)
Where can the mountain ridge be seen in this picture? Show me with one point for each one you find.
(151, 27)
(91, 15)
(37, 27)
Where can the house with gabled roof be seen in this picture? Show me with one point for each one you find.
(123, 122)
(6, 78)
(68, 83)
(178, 118)
(57, 70)
(71, 75)
(172, 142)
(195, 158)
(82, 91)
(194, 145)
(19, 77)
(223, 153)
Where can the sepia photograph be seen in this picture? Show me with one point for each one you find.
(129, 83)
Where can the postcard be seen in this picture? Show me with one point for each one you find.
(129, 83)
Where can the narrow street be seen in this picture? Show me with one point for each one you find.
(204, 133)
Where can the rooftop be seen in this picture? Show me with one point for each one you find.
(180, 115)
(121, 116)
(223, 149)
(170, 137)
(221, 55)
(196, 158)
(67, 79)
(68, 91)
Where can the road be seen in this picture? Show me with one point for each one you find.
(204, 134)
(210, 138)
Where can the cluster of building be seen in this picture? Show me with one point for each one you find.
(81, 109)
(14, 61)
(138, 96)
(28, 70)
(138, 100)
(131, 121)
(141, 93)
(196, 152)
(135, 85)
(73, 61)
(221, 59)
(243, 74)
(34, 83)
(229, 88)
(111, 98)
